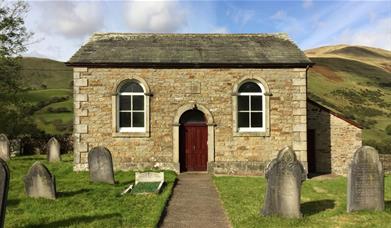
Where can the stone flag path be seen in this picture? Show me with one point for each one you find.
(195, 203)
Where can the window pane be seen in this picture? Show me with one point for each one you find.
(124, 119)
(131, 87)
(250, 87)
(243, 119)
(138, 102)
(256, 119)
(256, 103)
(124, 103)
(138, 119)
(243, 103)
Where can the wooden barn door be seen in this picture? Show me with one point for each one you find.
(194, 148)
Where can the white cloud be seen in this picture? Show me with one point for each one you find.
(35, 53)
(60, 27)
(70, 19)
(285, 23)
(307, 4)
(155, 16)
(340, 27)
(377, 34)
(240, 16)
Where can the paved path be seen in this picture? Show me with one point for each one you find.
(195, 203)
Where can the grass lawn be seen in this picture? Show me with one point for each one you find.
(323, 204)
(81, 203)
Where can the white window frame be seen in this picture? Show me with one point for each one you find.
(250, 94)
(132, 129)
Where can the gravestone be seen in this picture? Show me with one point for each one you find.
(4, 147)
(4, 184)
(365, 181)
(149, 177)
(100, 165)
(284, 176)
(39, 182)
(53, 150)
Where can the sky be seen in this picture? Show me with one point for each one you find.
(61, 27)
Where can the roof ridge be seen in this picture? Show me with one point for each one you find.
(109, 35)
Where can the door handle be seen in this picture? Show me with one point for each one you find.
(193, 147)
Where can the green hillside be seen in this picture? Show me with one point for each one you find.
(41, 73)
(49, 91)
(355, 82)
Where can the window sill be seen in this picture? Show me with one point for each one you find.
(130, 135)
(252, 134)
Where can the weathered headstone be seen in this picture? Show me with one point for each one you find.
(39, 182)
(284, 176)
(53, 150)
(5, 152)
(4, 184)
(100, 165)
(365, 181)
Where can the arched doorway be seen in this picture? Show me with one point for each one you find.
(193, 141)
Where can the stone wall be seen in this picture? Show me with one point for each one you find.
(336, 139)
(94, 99)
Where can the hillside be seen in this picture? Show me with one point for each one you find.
(355, 81)
(368, 55)
(49, 91)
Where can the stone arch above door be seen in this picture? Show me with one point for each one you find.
(209, 121)
(184, 108)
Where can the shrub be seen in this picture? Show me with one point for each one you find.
(45, 103)
(31, 144)
(383, 147)
(58, 110)
(388, 129)
(364, 111)
(349, 95)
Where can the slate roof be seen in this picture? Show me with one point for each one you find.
(202, 50)
(336, 114)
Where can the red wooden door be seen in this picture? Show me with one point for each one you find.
(194, 148)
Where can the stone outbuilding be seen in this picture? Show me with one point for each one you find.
(222, 103)
(332, 139)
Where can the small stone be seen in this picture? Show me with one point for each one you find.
(100, 165)
(284, 176)
(53, 150)
(39, 182)
(4, 185)
(5, 151)
(365, 181)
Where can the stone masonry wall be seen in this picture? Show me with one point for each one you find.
(336, 140)
(171, 89)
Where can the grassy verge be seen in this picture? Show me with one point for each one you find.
(323, 204)
(81, 203)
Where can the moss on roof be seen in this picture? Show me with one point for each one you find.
(189, 49)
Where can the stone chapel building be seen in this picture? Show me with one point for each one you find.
(222, 103)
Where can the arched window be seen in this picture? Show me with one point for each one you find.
(251, 107)
(131, 107)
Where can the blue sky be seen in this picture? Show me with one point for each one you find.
(61, 27)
